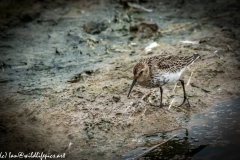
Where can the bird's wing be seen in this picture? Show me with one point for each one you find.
(171, 63)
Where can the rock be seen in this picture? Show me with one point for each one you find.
(81, 76)
(149, 27)
(95, 27)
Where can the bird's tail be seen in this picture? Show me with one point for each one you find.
(193, 58)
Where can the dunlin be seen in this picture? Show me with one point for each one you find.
(160, 70)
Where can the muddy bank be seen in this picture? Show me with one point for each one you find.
(65, 72)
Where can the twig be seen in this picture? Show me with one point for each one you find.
(137, 6)
(73, 133)
(147, 94)
(175, 87)
(170, 104)
(189, 79)
(152, 148)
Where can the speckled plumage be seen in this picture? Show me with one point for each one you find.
(160, 70)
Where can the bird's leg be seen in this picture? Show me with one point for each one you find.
(185, 95)
(161, 92)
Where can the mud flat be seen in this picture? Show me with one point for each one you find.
(66, 70)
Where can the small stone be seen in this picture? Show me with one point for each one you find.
(116, 98)
(90, 135)
(70, 137)
(34, 119)
(196, 140)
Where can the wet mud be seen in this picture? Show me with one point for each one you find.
(66, 68)
(212, 134)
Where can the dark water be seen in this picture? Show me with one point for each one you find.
(214, 134)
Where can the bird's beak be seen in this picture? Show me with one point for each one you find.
(133, 82)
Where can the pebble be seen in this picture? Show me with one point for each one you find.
(90, 135)
(196, 140)
(116, 98)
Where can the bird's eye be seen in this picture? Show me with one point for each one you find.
(140, 72)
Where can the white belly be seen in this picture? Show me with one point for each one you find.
(164, 77)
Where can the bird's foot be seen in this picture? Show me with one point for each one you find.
(161, 106)
(185, 98)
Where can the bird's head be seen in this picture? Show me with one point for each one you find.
(141, 74)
